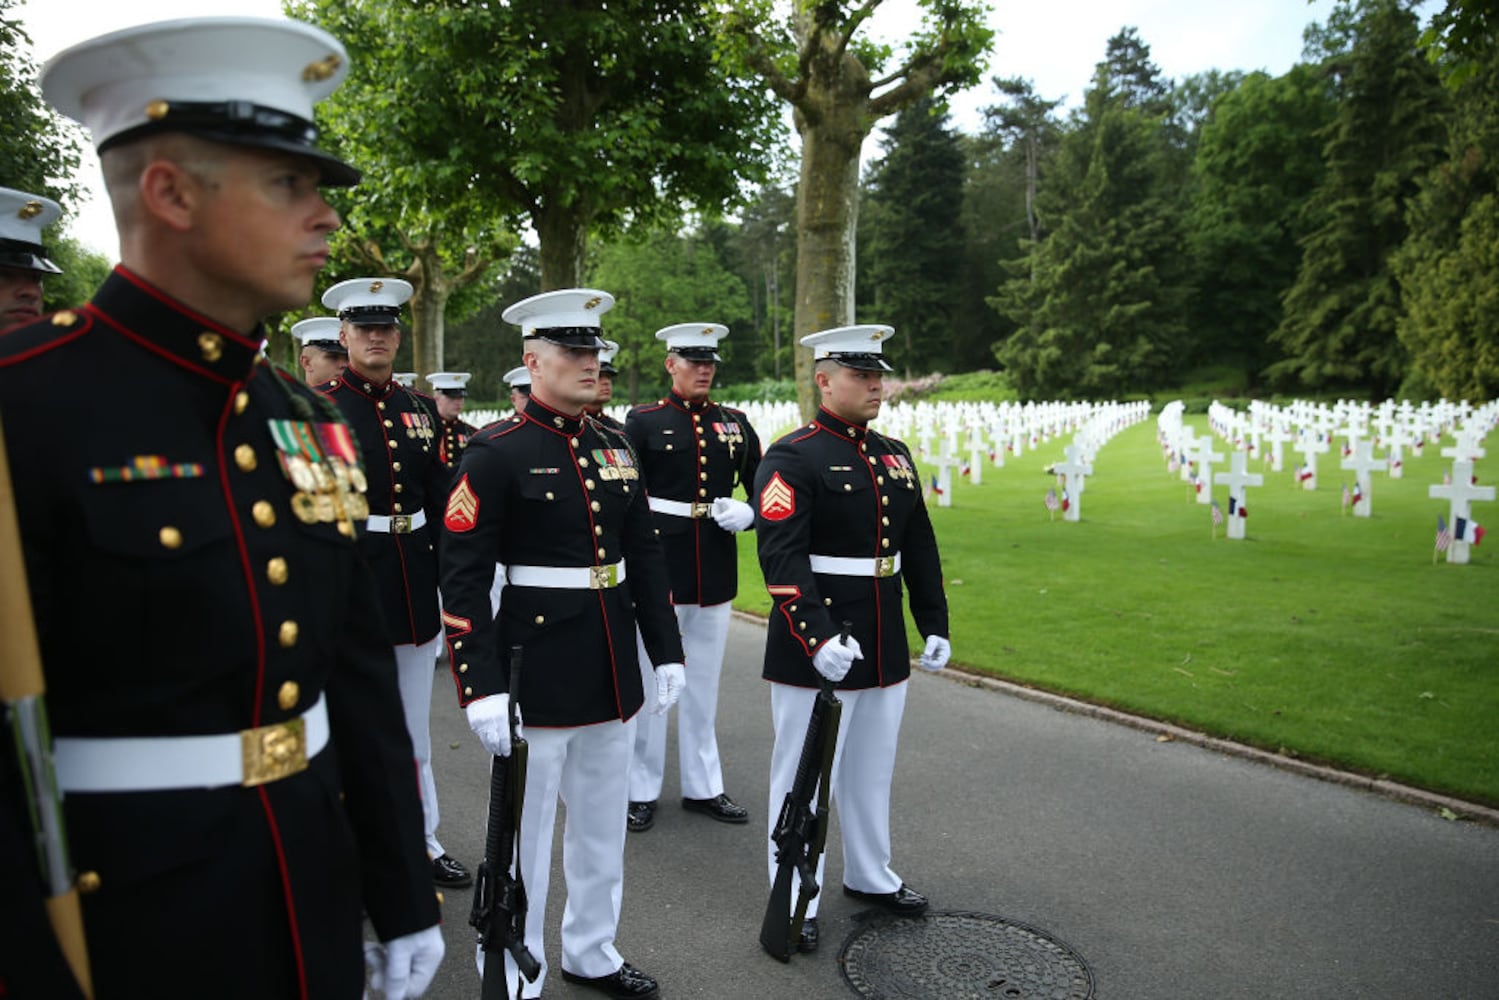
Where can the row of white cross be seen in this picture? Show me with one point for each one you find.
(1312, 426)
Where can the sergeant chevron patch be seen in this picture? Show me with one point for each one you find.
(777, 500)
(463, 508)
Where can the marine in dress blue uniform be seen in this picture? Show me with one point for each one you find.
(560, 503)
(322, 357)
(694, 453)
(23, 259)
(396, 428)
(238, 783)
(449, 391)
(843, 536)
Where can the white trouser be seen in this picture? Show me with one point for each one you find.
(415, 667)
(586, 767)
(705, 633)
(863, 764)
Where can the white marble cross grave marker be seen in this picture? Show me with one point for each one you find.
(1459, 494)
(944, 464)
(1310, 445)
(1361, 463)
(1073, 469)
(1236, 479)
(1204, 455)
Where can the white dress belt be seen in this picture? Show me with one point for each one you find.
(163, 763)
(849, 566)
(567, 577)
(677, 508)
(396, 524)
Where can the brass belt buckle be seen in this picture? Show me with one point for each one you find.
(603, 577)
(400, 524)
(702, 510)
(270, 753)
(884, 565)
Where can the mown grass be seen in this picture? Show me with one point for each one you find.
(1322, 635)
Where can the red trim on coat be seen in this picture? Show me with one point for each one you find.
(291, 904)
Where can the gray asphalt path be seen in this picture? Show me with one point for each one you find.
(1174, 871)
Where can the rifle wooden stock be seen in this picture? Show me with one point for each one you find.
(23, 690)
(801, 832)
(499, 907)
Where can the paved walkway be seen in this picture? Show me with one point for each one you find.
(1175, 871)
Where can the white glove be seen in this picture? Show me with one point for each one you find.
(835, 657)
(489, 718)
(671, 678)
(934, 657)
(404, 966)
(733, 515)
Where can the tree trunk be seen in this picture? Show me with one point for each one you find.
(827, 213)
(563, 235)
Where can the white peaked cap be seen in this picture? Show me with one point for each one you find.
(852, 346)
(248, 81)
(449, 380)
(319, 330)
(694, 340)
(567, 316)
(371, 301)
(22, 218)
(517, 377)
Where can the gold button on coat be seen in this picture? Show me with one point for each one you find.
(541, 619)
(263, 513)
(244, 457)
(241, 401)
(287, 635)
(275, 571)
(287, 696)
(170, 537)
(211, 346)
(88, 882)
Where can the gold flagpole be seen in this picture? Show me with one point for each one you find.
(23, 689)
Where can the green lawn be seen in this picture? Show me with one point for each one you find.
(1332, 637)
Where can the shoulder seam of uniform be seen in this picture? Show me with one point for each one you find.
(61, 337)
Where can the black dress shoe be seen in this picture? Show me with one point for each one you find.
(808, 940)
(628, 983)
(721, 808)
(640, 816)
(448, 872)
(903, 902)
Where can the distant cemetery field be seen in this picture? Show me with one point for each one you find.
(1331, 637)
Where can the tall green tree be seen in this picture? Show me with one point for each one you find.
(1099, 300)
(811, 55)
(916, 241)
(660, 278)
(38, 148)
(762, 252)
(574, 114)
(1341, 315)
(1258, 160)
(1448, 266)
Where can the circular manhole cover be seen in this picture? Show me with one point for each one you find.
(955, 956)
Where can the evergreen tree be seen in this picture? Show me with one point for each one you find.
(1258, 160)
(1339, 326)
(1099, 300)
(1448, 268)
(916, 240)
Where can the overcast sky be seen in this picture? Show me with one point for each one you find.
(1055, 45)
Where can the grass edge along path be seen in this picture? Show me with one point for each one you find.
(1321, 637)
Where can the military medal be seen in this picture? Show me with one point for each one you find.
(303, 507)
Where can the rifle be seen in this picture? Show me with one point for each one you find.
(23, 690)
(499, 910)
(800, 833)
